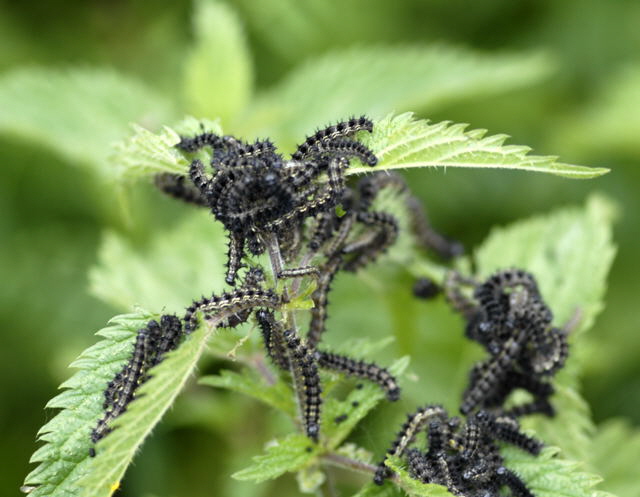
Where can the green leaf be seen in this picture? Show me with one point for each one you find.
(218, 72)
(615, 454)
(549, 476)
(379, 80)
(412, 486)
(77, 113)
(279, 396)
(115, 451)
(173, 269)
(64, 458)
(570, 253)
(288, 454)
(405, 142)
(355, 407)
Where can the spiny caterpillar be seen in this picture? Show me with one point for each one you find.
(279, 349)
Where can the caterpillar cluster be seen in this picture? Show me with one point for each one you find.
(508, 317)
(255, 192)
(288, 207)
(263, 200)
(463, 457)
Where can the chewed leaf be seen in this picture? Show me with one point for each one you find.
(399, 141)
(405, 142)
(145, 153)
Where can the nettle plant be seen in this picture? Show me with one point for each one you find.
(294, 223)
(505, 359)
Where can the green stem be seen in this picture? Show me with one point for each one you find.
(347, 463)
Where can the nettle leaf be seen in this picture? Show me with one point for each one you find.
(570, 253)
(77, 113)
(288, 454)
(64, 458)
(615, 454)
(279, 395)
(354, 407)
(412, 486)
(218, 73)
(175, 267)
(405, 142)
(549, 476)
(115, 451)
(379, 80)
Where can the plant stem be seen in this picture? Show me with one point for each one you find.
(348, 463)
(277, 264)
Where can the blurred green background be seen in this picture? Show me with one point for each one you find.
(581, 103)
